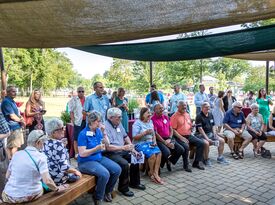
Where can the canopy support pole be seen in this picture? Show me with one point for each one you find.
(267, 77)
(151, 73)
(3, 75)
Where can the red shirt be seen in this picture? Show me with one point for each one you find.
(162, 125)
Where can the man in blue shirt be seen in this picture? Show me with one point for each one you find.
(234, 124)
(200, 97)
(15, 121)
(97, 101)
(148, 96)
(175, 99)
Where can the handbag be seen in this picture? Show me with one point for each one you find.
(45, 186)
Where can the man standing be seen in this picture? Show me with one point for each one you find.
(97, 101)
(119, 150)
(207, 131)
(199, 98)
(171, 151)
(211, 97)
(78, 119)
(15, 121)
(175, 98)
(249, 100)
(234, 124)
(148, 96)
(182, 125)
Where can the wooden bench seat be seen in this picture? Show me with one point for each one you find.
(85, 184)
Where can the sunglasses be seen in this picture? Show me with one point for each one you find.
(60, 129)
(80, 91)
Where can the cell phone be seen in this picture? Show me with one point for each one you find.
(43, 111)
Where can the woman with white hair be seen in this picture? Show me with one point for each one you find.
(91, 161)
(25, 186)
(255, 127)
(58, 159)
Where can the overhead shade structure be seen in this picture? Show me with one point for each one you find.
(223, 44)
(268, 55)
(70, 23)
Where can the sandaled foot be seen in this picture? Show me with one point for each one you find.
(240, 154)
(234, 155)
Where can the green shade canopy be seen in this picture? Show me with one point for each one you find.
(64, 23)
(223, 44)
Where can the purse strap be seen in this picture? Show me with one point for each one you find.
(32, 160)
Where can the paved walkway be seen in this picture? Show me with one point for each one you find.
(247, 181)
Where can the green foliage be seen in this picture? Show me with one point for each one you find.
(46, 69)
(65, 117)
(132, 104)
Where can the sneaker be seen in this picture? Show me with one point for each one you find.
(222, 160)
(208, 163)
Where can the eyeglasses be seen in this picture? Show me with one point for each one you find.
(80, 91)
(60, 129)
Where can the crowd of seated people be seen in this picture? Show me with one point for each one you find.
(103, 146)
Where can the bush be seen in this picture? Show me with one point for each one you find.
(65, 117)
(132, 104)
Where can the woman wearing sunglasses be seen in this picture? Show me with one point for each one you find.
(58, 158)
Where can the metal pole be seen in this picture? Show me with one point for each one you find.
(267, 77)
(151, 73)
(3, 75)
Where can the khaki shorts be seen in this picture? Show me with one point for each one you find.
(16, 139)
(12, 200)
(230, 135)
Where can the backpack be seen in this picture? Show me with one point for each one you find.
(265, 153)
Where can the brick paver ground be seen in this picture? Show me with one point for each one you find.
(247, 181)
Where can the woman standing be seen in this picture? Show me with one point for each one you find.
(228, 100)
(264, 101)
(154, 100)
(145, 140)
(218, 110)
(91, 161)
(121, 102)
(35, 109)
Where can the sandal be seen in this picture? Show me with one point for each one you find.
(234, 155)
(240, 154)
(153, 179)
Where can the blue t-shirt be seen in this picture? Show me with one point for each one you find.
(234, 121)
(90, 139)
(9, 107)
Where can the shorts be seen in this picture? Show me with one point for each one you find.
(259, 138)
(12, 200)
(16, 139)
(230, 135)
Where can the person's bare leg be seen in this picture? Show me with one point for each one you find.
(230, 142)
(221, 146)
(11, 152)
(260, 145)
(157, 166)
(151, 163)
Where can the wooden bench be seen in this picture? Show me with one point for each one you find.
(238, 141)
(85, 184)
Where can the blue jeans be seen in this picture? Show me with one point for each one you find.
(107, 173)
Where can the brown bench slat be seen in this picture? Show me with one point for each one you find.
(85, 184)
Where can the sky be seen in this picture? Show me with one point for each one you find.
(88, 64)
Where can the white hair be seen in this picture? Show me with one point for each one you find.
(114, 111)
(36, 135)
(236, 104)
(254, 105)
(52, 125)
(181, 102)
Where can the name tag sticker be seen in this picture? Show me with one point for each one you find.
(164, 121)
(118, 129)
(211, 121)
(239, 121)
(89, 133)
